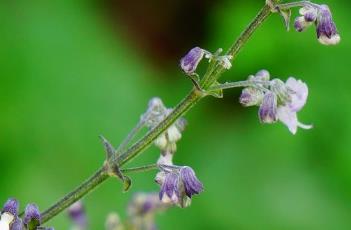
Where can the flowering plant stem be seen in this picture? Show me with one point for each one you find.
(195, 95)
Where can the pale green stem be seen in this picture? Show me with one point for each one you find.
(187, 103)
(296, 4)
(229, 85)
(145, 168)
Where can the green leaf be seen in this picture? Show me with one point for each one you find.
(127, 183)
(216, 93)
(286, 14)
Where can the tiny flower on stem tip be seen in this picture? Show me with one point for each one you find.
(321, 16)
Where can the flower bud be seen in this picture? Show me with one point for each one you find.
(301, 24)
(279, 88)
(268, 109)
(251, 96)
(113, 222)
(262, 75)
(326, 30)
(191, 60)
(310, 13)
(32, 217)
(17, 224)
(11, 206)
(77, 214)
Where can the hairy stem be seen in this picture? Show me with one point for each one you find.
(248, 83)
(213, 73)
(184, 106)
(145, 168)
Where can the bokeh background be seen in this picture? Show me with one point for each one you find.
(71, 70)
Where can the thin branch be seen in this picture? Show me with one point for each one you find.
(145, 168)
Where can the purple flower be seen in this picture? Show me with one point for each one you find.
(77, 214)
(11, 206)
(287, 113)
(326, 30)
(17, 224)
(268, 109)
(191, 184)
(32, 215)
(169, 190)
(9, 214)
(191, 60)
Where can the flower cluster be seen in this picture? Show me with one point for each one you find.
(10, 220)
(277, 100)
(178, 183)
(321, 16)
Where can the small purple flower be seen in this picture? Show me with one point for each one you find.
(262, 75)
(17, 224)
(191, 184)
(326, 30)
(169, 190)
(77, 214)
(11, 206)
(191, 60)
(268, 109)
(32, 215)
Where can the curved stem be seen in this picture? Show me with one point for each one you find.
(184, 106)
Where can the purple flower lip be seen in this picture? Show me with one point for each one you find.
(32, 213)
(191, 184)
(11, 206)
(191, 60)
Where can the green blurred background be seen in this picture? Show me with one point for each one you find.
(71, 70)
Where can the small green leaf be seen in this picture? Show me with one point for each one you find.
(286, 14)
(216, 93)
(127, 183)
(33, 224)
(109, 149)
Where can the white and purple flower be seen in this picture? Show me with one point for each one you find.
(287, 113)
(321, 16)
(32, 216)
(179, 185)
(191, 60)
